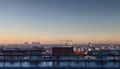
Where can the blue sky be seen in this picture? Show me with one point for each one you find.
(49, 21)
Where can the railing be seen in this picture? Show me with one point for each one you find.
(67, 61)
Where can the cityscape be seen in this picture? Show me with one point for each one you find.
(66, 55)
(59, 34)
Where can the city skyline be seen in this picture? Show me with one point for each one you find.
(53, 21)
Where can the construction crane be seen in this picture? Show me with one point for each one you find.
(68, 43)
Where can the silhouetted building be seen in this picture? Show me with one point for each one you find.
(62, 50)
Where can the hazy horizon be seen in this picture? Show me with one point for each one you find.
(53, 21)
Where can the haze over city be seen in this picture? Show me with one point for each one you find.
(53, 21)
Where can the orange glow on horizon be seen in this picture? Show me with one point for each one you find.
(5, 39)
(56, 41)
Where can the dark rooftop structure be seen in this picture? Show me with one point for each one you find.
(62, 51)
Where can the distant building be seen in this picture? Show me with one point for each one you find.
(2, 47)
(90, 44)
(36, 43)
(26, 43)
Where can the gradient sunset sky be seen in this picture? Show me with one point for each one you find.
(53, 21)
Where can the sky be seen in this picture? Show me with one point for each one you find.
(53, 21)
